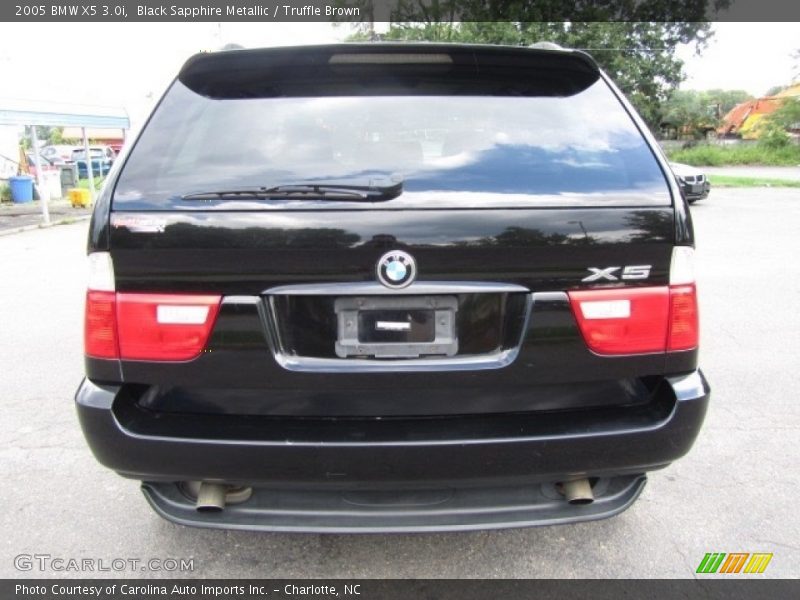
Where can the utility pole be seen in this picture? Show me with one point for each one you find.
(44, 193)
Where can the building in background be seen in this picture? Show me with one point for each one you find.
(9, 150)
(108, 137)
(743, 119)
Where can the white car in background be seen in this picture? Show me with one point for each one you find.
(692, 180)
(58, 153)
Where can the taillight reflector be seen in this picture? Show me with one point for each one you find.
(684, 327)
(100, 326)
(164, 326)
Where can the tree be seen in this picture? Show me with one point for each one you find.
(788, 115)
(46, 134)
(56, 135)
(633, 41)
(689, 112)
(726, 99)
(695, 113)
(773, 131)
(774, 90)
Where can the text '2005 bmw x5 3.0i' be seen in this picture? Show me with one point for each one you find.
(391, 288)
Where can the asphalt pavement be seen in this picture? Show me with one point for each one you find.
(735, 492)
(15, 218)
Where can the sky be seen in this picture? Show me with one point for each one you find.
(130, 64)
(744, 56)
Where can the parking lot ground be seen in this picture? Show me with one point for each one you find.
(17, 217)
(735, 492)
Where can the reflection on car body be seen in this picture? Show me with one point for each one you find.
(391, 287)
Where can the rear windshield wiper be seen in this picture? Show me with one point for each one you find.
(306, 191)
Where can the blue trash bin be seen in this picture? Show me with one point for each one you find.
(21, 188)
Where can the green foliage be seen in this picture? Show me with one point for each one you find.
(734, 181)
(639, 57)
(788, 115)
(772, 131)
(772, 136)
(741, 154)
(46, 134)
(56, 135)
(725, 99)
(634, 42)
(774, 90)
(429, 32)
(696, 112)
(97, 182)
(689, 112)
(5, 192)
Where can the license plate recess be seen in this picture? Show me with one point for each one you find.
(396, 326)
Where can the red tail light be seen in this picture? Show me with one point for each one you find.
(148, 326)
(164, 327)
(623, 321)
(684, 326)
(637, 320)
(143, 326)
(100, 328)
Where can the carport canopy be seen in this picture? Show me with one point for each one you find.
(56, 114)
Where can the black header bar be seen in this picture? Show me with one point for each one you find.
(396, 589)
(355, 11)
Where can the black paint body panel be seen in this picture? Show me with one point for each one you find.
(387, 454)
(268, 403)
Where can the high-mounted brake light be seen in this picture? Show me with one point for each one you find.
(389, 58)
(642, 320)
(134, 326)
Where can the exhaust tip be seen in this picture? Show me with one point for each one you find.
(580, 501)
(213, 497)
(577, 492)
(210, 497)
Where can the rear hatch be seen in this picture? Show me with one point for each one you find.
(392, 231)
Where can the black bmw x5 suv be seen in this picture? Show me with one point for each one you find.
(391, 288)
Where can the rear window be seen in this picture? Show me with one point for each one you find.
(461, 149)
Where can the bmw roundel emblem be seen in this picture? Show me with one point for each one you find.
(396, 269)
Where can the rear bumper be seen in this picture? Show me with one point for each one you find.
(693, 195)
(459, 509)
(478, 457)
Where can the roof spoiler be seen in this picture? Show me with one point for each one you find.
(391, 68)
